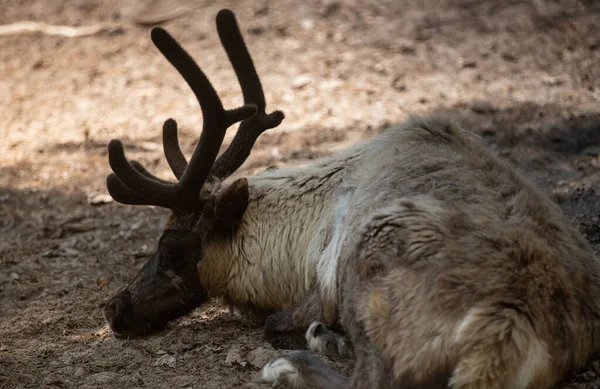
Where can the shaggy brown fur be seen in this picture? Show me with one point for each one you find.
(459, 273)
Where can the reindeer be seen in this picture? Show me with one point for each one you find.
(442, 265)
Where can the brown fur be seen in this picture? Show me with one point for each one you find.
(456, 271)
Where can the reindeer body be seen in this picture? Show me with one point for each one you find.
(442, 264)
(451, 268)
(463, 273)
(432, 253)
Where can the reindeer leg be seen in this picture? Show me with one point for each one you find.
(300, 370)
(324, 341)
(282, 332)
(286, 329)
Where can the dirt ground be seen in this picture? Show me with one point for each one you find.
(521, 74)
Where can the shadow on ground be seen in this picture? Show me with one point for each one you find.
(62, 258)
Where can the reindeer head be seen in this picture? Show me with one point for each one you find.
(168, 285)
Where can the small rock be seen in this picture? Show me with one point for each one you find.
(149, 146)
(82, 226)
(551, 81)
(52, 381)
(99, 199)
(469, 64)
(14, 276)
(52, 253)
(38, 64)
(509, 57)
(301, 81)
(166, 360)
(307, 24)
(100, 282)
(70, 252)
(235, 356)
(256, 30)
(378, 68)
(399, 84)
(408, 49)
(79, 372)
(104, 377)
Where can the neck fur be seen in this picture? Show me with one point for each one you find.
(271, 262)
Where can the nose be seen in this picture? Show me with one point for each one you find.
(115, 309)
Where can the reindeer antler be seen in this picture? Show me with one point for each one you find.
(131, 183)
(250, 129)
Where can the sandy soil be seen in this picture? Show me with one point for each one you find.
(521, 74)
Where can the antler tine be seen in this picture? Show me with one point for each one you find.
(122, 194)
(216, 119)
(173, 152)
(250, 129)
(118, 190)
(233, 43)
(140, 181)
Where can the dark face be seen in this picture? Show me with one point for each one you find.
(166, 288)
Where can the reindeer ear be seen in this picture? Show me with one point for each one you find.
(231, 203)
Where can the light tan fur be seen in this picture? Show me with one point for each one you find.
(286, 236)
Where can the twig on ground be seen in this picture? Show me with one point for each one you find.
(30, 27)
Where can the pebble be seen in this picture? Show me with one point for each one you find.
(166, 360)
(301, 81)
(104, 377)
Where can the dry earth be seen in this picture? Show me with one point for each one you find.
(521, 74)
